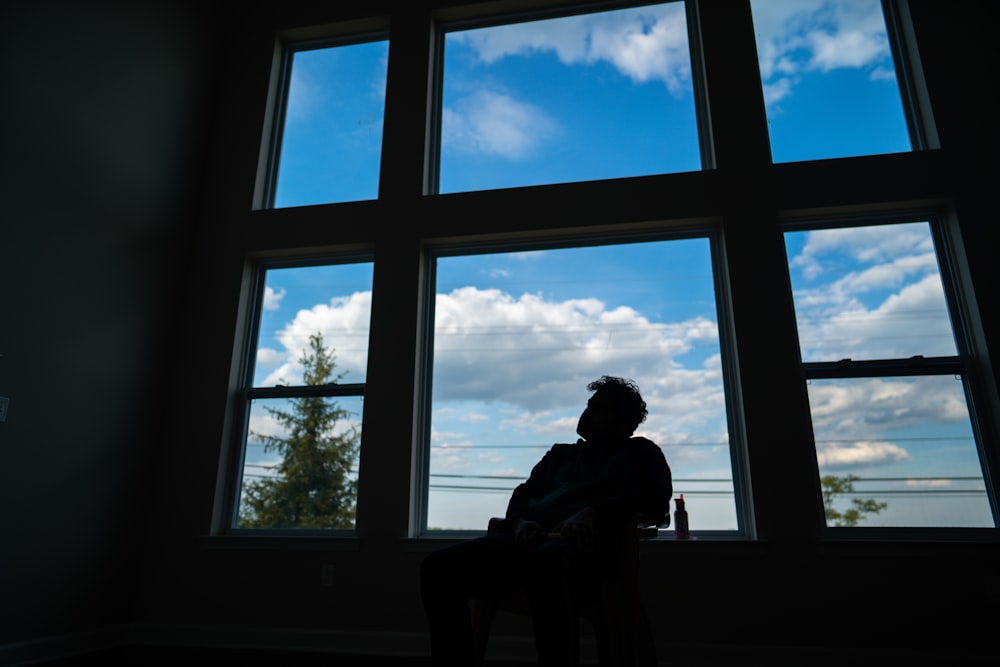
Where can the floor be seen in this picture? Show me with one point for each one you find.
(145, 656)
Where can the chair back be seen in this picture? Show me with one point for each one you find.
(614, 608)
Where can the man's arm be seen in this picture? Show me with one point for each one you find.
(527, 532)
(536, 484)
(657, 487)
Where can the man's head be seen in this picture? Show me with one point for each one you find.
(614, 411)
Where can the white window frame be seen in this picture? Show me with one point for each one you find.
(247, 392)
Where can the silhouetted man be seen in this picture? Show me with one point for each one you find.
(561, 529)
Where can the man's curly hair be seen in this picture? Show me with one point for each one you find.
(624, 395)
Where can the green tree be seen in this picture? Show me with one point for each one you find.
(313, 487)
(834, 486)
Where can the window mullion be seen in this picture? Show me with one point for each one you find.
(404, 145)
(780, 447)
(735, 96)
(787, 503)
(387, 453)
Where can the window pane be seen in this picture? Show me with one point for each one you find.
(300, 459)
(592, 96)
(519, 335)
(333, 301)
(829, 80)
(331, 141)
(296, 475)
(903, 443)
(869, 293)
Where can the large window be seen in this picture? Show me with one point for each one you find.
(304, 397)
(887, 388)
(519, 334)
(563, 192)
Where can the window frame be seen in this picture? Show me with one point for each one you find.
(623, 234)
(960, 364)
(246, 392)
(460, 19)
(286, 45)
(911, 86)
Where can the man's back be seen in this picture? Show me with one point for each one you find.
(617, 480)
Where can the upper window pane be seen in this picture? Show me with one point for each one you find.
(331, 134)
(592, 96)
(517, 337)
(829, 80)
(333, 301)
(869, 293)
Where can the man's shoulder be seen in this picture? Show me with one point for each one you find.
(643, 443)
(563, 450)
(645, 448)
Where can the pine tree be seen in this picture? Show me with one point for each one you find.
(860, 507)
(313, 487)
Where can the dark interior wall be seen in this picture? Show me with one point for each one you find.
(103, 120)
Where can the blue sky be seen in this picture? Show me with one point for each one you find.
(519, 334)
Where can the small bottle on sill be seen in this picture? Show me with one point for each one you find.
(681, 520)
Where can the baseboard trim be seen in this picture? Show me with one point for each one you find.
(44, 649)
(507, 648)
(391, 644)
(280, 639)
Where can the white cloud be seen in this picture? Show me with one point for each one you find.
(264, 424)
(860, 453)
(490, 457)
(494, 123)
(777, 91)
(882, 74)
(891, 274)
(535, 357)
(344, 323)
(863, 409)
(526, 360)
(864, 244)
(846, 48)
(839, 319)
(929, 483)
(794, 38)
(269, 358)
(305, 94)
(445, 460)
(272, 298)
(449, 438)
(644, 44)
(514, 369)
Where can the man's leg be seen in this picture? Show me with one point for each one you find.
(449, 578)
(555, 573)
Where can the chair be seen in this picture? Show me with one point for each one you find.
(614, 608)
